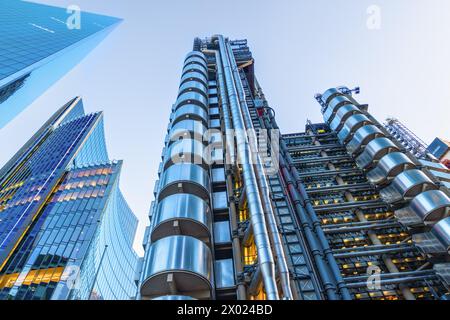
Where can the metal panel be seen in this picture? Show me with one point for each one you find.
(214, 111)
(186, 151)
(194, 76)
(222, 232)
(187, 129)
(213, 100)
(362, 137)
(217, 156)
(173, 298)
(442, 231)
(193, 86)
(389, 167)
(330, 94)
(214, 123)
(183, 214)
(195, 54)
(181, 264)
(407, 185)
(342, 114)
(218, 175)
(220, 200)
(214, 137)
(195, 59)
(195, 67)
(184, 178)
(352, 124)
(430, 206)
(192, 97)
(224, 272)
(190, 112)
(374, 151)
(336, 103)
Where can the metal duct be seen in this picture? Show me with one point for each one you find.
(374, 151)
(390, 166)
(342, 114)
(257, 214)
(442, 231)
(172, 270)
(327, 267)
(229, 132)
(362, 137)
(230, 157)
(407, 185)
(330, 94)
(263, 186)
(430, 206)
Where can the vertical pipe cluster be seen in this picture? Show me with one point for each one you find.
(265, 257)
(326, 264)
(230, 161)
(262, 184)
(182, 221)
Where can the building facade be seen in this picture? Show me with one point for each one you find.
(440, 148)
(432, 157)
(38, 45)
(340, 211)
(66, 231)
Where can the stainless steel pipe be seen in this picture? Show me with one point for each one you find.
(229, 135)
(230, 157)
(258, 222)
(274, 235)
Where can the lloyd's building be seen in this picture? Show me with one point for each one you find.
(339, 211)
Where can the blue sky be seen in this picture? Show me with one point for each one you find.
(301, 48)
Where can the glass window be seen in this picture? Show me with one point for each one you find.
(220, 200)
(218, 175)
(222, 232)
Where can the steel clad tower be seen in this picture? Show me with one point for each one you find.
(341, 211)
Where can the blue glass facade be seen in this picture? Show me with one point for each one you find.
(61, 207)
(37, 48)
(114, 238)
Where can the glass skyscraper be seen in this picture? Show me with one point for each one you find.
(66, 232)
(38, 46)
(339, 211)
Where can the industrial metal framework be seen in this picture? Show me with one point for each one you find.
(348, 213)
(407, 138)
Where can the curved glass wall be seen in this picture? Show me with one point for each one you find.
(62, 208)
(109, 269)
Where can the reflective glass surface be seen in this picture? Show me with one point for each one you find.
(60, 238)
(66, 231)
(34, 36)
